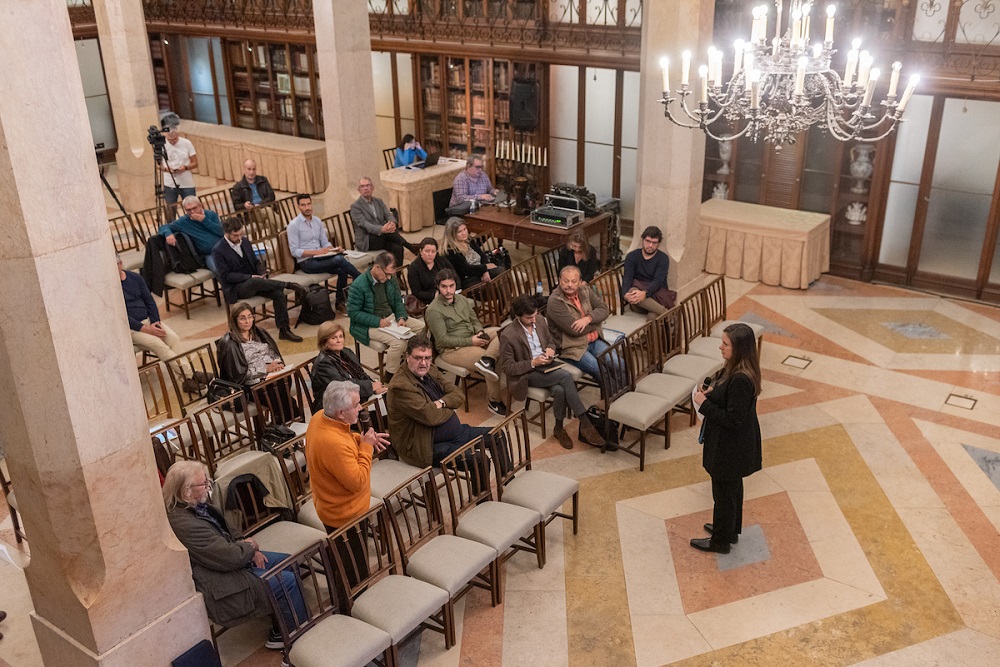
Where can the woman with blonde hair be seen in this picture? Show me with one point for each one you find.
(226, 567)
(335, 363)
(731, 435)
(467, 256)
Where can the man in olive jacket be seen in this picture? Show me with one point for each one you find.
(421, 404)
(574, 314)
(374, 301)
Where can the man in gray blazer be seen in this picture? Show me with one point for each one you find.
(375, 227)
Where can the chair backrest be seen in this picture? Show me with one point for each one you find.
(693, 316)
(670, 334)
(198, 360)
(467, 478)
(615, 378)
(643, 350)
(224, 428)
(526, 275)
(286, 263)
(714, 302)
(122, 234)
(284, 398)
(154, 392)
(295, 476)
(607, 285)
(303, 582)
(550, 260)
(402, 280)
(511, 448)
(246, 497)
(360, 561)
(345, 229)
(221, 201)
(488, 302)
(333, 232)
(414, 513)
(389, 155)
(268, 251)
(487, 241)
(174, 440)
(145, 223)
(380, 418)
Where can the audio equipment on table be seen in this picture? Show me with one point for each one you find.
(557, 212)
(586, 199)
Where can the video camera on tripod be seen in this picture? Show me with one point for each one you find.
(158, 140)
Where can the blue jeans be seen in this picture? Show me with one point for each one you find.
(285, 589)
(210, 264)
(588, 362)
(335, 264)
(172, 195)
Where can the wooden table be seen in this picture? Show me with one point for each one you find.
(775, 246)
(291, 164)
(520, 229)
(411, 191)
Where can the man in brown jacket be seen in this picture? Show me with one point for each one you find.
(421, 405)
(575, 313)
(526, 350)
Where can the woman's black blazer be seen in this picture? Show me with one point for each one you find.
(732, 432)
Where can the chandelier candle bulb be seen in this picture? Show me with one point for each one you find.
(870, 89)
(711, 64)
(864, 68)
(738, 47)
(748, 66)
(800, 76)
(685, 68)
(775, 43)
(796, 28)
(545, 157)
(817, 50)
(755, 25)
(805, 24)
(777, 23)
(762, 32)
(754, 80)
(907, 94)
(894, 78)
(715, 66)
(665, 70)
(830, 11)
(703, 75)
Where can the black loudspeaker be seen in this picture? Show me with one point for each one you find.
(524, 105)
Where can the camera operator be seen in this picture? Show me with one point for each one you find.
(178, 182)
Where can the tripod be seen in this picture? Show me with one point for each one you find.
(159, 143)
(100, 170)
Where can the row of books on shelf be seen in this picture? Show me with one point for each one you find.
(501, 110)
(284, 106)
(456, 104)
(431, 73)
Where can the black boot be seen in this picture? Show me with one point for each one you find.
(285, 333)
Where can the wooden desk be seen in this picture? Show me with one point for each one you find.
(520, 229)
(291, 164)
(411, 191)
(775, 246)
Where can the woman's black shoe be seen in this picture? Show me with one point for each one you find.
(705, 544)
(710, 530)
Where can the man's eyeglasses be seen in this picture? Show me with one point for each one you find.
(203, 485)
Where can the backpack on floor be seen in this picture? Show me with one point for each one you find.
(316, 307)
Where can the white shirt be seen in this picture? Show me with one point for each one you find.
(237, 247)
(533, 343)
(179, 155)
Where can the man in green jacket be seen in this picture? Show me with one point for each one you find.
(460, 337)
(375, 302)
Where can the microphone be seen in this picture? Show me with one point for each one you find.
(706, 383)
(364, 420)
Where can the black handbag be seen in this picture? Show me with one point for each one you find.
(219, 389)
(609, 428)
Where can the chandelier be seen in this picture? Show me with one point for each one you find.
(782, 86)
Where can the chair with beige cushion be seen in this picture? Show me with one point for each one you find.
(622, 320)
(375, 591)
(429, 554)
(325, 637)
(714, 304)
(692, 366)
(154, 395)
(519, 484)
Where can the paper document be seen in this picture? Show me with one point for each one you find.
(355, 254)
(399, 332)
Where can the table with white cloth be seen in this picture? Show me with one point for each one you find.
(411, 191)
(775, 246)
(291, 164)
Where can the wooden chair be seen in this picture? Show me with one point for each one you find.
(608, 286)
(285, 399)
(220, 201)
(646, 357)
(631, 409)
(265, 523)
(175, 440)
(341, 227)
(427, 553)
(197, 362)
(297, 479)
(676, 361)
(389, 155)
(224, 429)
(375, 591)
(155, 395)
(325, 637)
(714, 305)
(664, 329)
(518, 484)
(695, 343)
(126, 244)
(550, 260)
(11, 499)
(288, 267)
(505, 527)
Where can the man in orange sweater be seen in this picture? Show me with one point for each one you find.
(340, 461)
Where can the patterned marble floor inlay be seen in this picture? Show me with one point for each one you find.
(796, 362)
(915, 330)
(964, 402)
(988, 461)
(910, 331)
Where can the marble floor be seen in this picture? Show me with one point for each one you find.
(870, 536)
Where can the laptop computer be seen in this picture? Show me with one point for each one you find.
(432, 159)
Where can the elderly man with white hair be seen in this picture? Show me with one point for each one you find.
(339, 460)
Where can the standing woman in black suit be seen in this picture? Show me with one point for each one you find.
(731, 435)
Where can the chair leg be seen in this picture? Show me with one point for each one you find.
(666, 430)
(541, 413)
(499, 579)
(576, 511)
(465, 389)
(642, 451)
(540, 544)
(448, 616)
(393, 653)
(15, 524)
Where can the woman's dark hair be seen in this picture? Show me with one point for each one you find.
(581, 238)
(523, 305)
(445, 274)
(652, 232)
(234, 313)
(744, 357)
(429, 240)
(407, 138)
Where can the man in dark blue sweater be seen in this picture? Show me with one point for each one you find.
(644, 283)
(148, 332)
(201, 225)
(241, 277)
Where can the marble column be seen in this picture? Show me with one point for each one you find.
(671, 159)
(109, 582)
(121, 30)
(344, 59)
